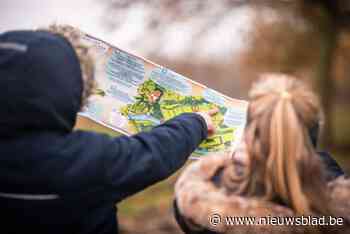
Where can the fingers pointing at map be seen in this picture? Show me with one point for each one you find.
(213, 111)
(207, 116)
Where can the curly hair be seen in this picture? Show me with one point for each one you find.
(87, 65)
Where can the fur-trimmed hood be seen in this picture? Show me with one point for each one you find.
(201, 197)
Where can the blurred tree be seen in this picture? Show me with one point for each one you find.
(296, 49)
(331, 18)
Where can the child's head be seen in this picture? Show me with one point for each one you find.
(281, 156)
(273, 89)
(45, 79)
(74, 36)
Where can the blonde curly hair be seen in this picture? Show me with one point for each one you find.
(87, 65)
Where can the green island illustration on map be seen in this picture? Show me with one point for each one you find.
(154, 104)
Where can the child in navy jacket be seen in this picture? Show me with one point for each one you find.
(54, 179)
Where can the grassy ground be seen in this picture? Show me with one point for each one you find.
(157, 196)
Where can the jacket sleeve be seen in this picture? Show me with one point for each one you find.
(135, 162)
(332, 167)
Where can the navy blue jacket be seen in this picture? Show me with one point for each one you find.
(53, 179)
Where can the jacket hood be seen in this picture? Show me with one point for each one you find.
(40, 82)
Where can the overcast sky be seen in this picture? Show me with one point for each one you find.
(175, 40)
(27, 14)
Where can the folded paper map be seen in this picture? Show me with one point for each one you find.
(134, 95)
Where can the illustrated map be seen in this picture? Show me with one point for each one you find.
(134, 95)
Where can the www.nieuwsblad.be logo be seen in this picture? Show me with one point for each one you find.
(217, 219)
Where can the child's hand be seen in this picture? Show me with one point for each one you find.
(207, 117)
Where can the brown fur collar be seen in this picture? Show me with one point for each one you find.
(199, 197)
